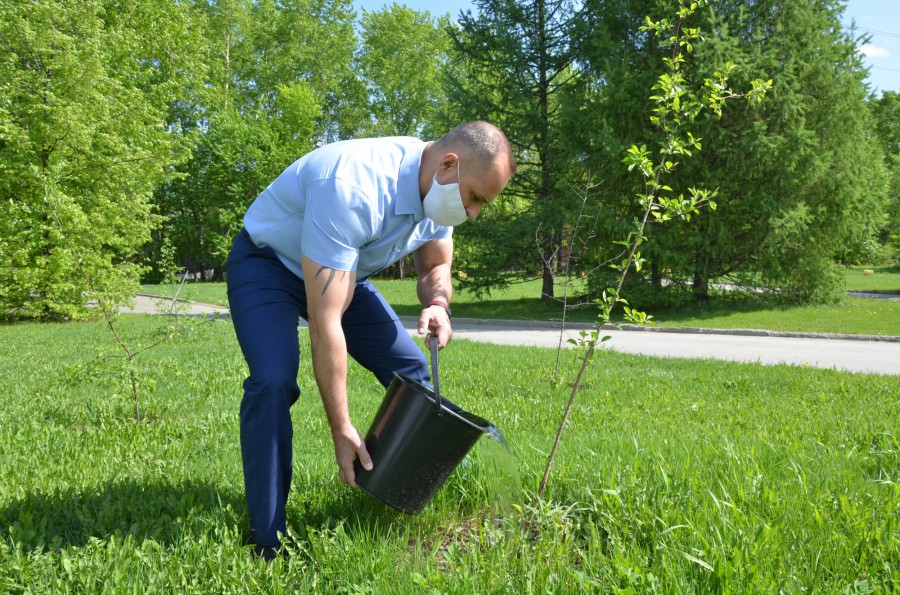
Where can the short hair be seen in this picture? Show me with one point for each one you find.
(482, 140)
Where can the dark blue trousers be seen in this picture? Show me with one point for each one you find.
(267, 301)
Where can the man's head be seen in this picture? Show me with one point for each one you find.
(478, 156)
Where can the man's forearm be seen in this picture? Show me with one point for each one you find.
(435, 285)
(329, 355)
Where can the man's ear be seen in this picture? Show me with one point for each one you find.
(448, 162)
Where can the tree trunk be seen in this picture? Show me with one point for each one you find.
(655, 275)
(547, 286)
(701, 277)
(543, 144)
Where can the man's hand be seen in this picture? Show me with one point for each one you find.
(435, 321)
(348, 444)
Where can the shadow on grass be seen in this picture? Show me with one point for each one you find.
(665, 308)
(521, 309)
(169, 513)
(173, 513)
(164, 512)
(320, 507)
(715, 308)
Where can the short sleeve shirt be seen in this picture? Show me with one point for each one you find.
(351, 205)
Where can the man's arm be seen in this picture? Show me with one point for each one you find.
(435, 286)
(328, 294)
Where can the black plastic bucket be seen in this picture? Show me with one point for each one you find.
(416, 440)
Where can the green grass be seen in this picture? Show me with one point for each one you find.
(673, 476)
(521, 302)
(207, 293)
(851, 316)
(885, 279)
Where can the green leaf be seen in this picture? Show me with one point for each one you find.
(695, 560)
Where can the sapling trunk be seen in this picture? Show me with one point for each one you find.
(590, 352)
(676, 105)
(129, 356)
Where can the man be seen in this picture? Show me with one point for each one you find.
(310, 241)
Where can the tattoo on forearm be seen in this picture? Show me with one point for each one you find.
(440, 293)
(331, 273)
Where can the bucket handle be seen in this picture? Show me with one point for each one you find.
(434, 372)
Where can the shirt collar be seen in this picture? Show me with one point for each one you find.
(409, 202)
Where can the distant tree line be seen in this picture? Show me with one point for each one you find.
(135, 133)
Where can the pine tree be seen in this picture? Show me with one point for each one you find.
(515, 60)
(797, 178)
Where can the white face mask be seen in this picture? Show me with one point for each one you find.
(443, 204)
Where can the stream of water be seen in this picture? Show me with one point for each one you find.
(499, 476)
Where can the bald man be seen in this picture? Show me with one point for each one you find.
(310, 242)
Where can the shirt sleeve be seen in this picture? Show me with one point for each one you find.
(340, 219)
(443, 233)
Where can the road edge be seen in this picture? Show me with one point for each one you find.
(558, 325)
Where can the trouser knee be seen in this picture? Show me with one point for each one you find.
(414, 368)
(264, 392)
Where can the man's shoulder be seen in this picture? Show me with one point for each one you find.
(366, 162)
(358, 147)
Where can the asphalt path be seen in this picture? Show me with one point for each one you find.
(851, 353)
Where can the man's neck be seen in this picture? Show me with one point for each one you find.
(427, 167)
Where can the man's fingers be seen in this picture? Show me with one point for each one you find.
(424, 322)
(364, 458)
(347, 474)
(444, 337)
(348, 444)
(433, 327)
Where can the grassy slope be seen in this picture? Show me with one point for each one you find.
(674, 475)
(519, 302)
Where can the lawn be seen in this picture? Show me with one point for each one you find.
(673, 476)
(521, 302)
(884, 279)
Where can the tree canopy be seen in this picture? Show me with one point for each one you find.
(132, 129)
(886, 115)
(797, 178)
(86, 88)
(401, 59)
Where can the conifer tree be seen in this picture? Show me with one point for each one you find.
(515, 60)
(798, 178)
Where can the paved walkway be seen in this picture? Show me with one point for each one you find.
(876, 295)
(854, 353)
(857, 354)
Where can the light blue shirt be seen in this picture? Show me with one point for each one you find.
(351, 205)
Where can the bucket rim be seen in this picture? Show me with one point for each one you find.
(476, 421)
